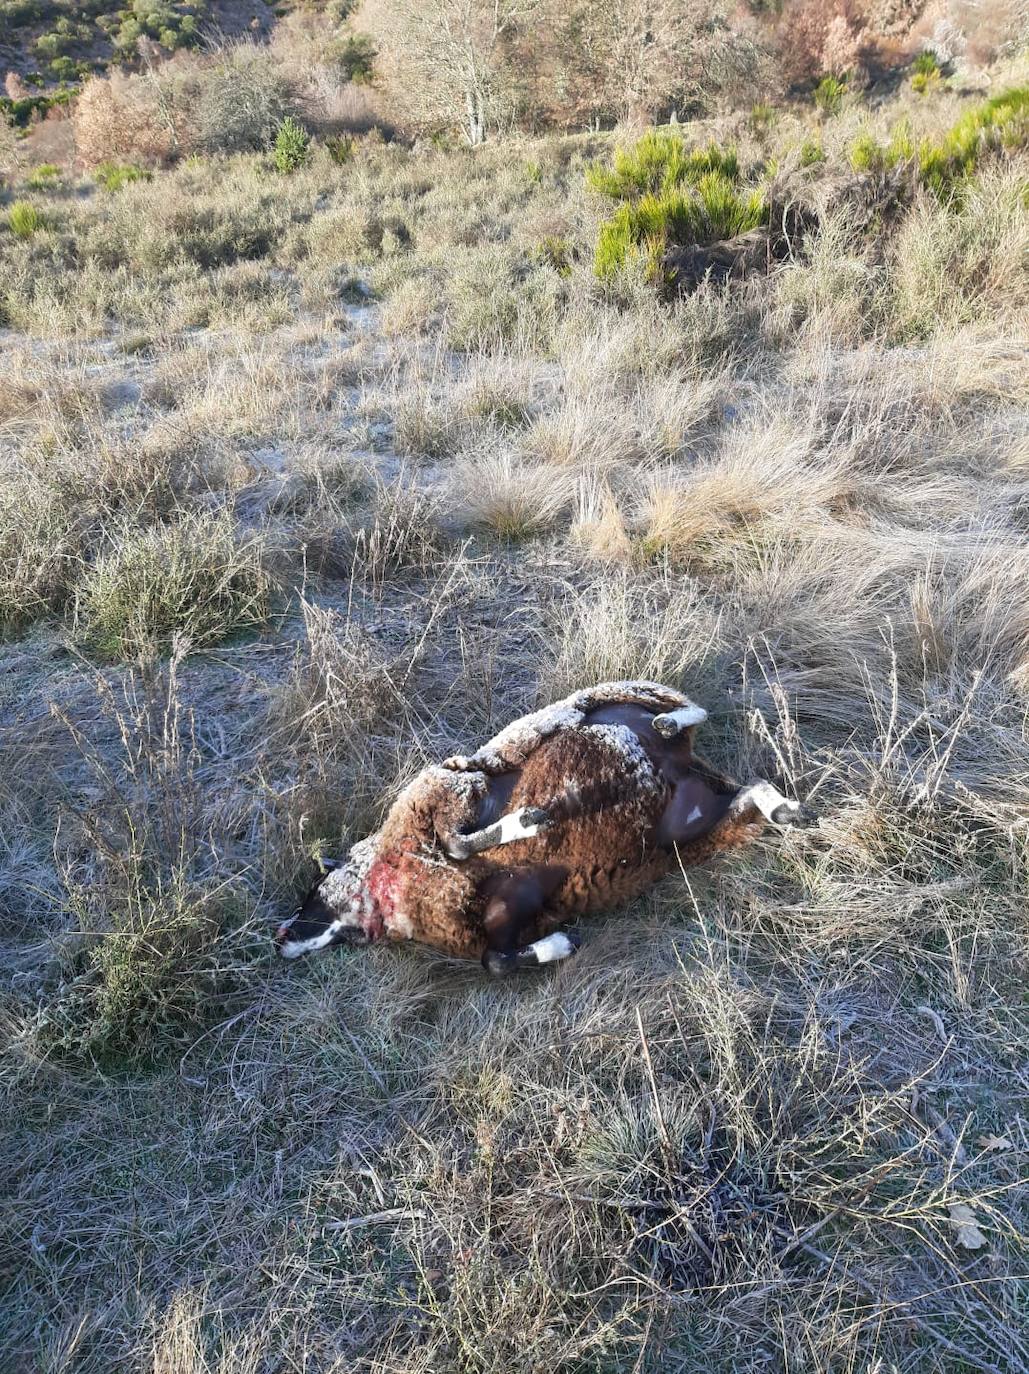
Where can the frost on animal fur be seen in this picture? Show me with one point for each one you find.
(576, 808)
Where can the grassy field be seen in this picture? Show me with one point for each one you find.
(310, 479)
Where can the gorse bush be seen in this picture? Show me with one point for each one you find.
(660, 161)
(672, 196)
(112, 176)
(191, 579)
(292, 145)
(25, 219)
(829, 94)
(943, 165)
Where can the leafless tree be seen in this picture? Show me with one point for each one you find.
(450, 62)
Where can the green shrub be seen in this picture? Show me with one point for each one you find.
(292, 145)
(829, 94)
(357, 58)
(191, 578)
(811, 152)
(556, 252)
(340, 149)
(660, 162)
(944, 165)
(671, 196)
(642, 230)
(112, 176)
(24, 219)
(927, 73)
(762, 117)
(47, 174)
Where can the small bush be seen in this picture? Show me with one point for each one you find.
(357, 58)
(811, 152)
(643, 230)
(292, 145)
(340, 149)
(660, 162)
(927, 74)
(191, 579)
(945, 165)
(762, 117)
(24, 219)
(112, 176)
(829, 94)
(43, 177)
(672, 196)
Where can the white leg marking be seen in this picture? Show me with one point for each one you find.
(292, 949)
(672, 723)
(515, 826)
(552, 948)
(769, 799)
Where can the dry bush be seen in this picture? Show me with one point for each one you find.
(498, 491)
(961, 263)
(229, 101)
(120, 118)
(765, 477)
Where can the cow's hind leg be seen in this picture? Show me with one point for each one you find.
(512, 913)
(700, 821)
(772, 805)
(516, 825)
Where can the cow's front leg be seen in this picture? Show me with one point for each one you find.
(516, 825)
(512, 914)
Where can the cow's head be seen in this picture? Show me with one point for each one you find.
(338, 909)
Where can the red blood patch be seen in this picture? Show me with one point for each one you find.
(381, 881)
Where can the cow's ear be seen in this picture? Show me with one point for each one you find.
(328, 865)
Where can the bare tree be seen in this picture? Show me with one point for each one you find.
(627, 59)
(450, 62)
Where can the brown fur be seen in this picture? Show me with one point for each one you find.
(604, 837)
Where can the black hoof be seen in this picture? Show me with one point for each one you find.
(666, 726)
(535, 815)
(499, 965)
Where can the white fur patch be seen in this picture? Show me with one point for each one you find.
(552, 948)
(694, 815)
(768, 799)
(513, 827)
(399, 926)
